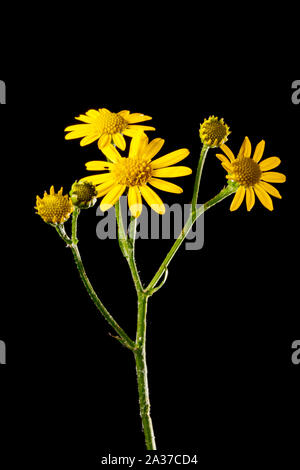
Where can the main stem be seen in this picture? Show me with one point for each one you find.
(141, 371)
(127, 245)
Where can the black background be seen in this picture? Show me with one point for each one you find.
(220, 331)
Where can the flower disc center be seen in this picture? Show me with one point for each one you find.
(132, 171)
(246, 171)
(111, 123)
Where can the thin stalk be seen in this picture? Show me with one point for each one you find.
(131, 259)
(123, 337)
(127, 245)
(201, 162)
(122, 237)
(224, 193)
(75, 216)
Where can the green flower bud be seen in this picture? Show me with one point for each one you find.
(83, 194)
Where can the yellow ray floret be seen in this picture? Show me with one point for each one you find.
(252, 174)
(54, 207)
(106, 127)
(135, 173)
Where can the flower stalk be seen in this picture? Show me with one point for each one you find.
(223, 194)
(201, 162)
(73, 244)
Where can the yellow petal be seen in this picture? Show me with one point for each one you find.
(135, 201)
(165, 186)
(259, 150)
(124, 113)
(238, 198)
(137, 117)
(104, 140)
(152, 199)
(73, 135)
(138, 141)
(82, 129)
(250, 198)
(269, 163)
(98, 165)
(273, 177)
(132, 129)
(270, 189)
(97, 179)
(222, 157)
(89, 139)
(111, 153)
(245, 150)
(93, 113)
(105, 187)
(119, 141)
(227, 166)
(170, 158)
(172, 172)
(84, 118)
(153, 148)
(228, 152)
(112, 197)
(264, 197)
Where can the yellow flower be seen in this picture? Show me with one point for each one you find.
(54, 207)
(135, 172)
(214, 132)
(105, 126)
(252, 175)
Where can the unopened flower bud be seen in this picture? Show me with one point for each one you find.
(83, 194)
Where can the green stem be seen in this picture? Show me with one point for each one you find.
(201, 162)
(122, 237)
(62, 233)
(127, 244)
(75, 215)
(224, 193)
(131, 259)
(142, 374)
(123, 337)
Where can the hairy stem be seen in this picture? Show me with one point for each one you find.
(142, 373)
(201, 162)
(127, 245)
(123, 337)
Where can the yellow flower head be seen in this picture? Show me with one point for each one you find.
(105, 126)
(252, 175)
(54, 207)
(135, 173)
(214, 132)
